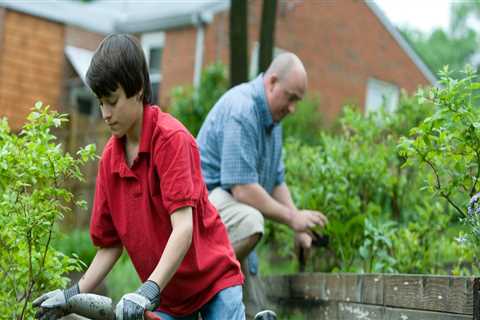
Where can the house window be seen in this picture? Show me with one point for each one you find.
(153, 44)
(381, 94)
(253, 70)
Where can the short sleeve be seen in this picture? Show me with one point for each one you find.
(239, 154)
(178, 168)
(102, 229)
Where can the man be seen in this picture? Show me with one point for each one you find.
(151, 200)
(241, 146)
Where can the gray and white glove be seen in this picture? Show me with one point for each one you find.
(132, 306)
(54, 304)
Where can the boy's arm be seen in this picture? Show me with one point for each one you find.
(176, 248)
(147, 297)
(98, 269)
(54, 304)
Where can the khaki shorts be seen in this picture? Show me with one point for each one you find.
(240, 219)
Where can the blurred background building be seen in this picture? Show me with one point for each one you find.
(352, 53)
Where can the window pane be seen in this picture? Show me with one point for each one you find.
(155, 60)
(381, 94)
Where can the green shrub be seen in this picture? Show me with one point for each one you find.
(76, 243)
(447, 145)
(122, 279)
(190, 106)
(33, 197)
(306, 123)
(380, 218)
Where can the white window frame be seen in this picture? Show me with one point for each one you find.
(149, 41)
(387, 92)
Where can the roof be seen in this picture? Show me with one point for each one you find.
(80, 59)
(108, 16)
(402, 42)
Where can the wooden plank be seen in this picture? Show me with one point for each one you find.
(335, 287)
(296, 309)
(476, 299)
(351, 311)
(307, 286)
(323, 311)
(372, 289)
(406, 314)
(277, 287)
(434, 293)
(421, 292)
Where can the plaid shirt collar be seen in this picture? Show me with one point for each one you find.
(262, 104)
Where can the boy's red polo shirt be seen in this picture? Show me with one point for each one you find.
(132, 207)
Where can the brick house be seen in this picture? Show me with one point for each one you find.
(351, 51)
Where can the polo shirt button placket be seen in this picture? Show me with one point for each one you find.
(137, 190)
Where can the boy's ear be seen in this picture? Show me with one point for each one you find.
(140, 95)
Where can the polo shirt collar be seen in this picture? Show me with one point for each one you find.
(119, 164)
(262, 103)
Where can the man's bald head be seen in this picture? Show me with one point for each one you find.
(284, 64)
(285, 84)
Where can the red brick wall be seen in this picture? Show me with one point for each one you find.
(178, 61)
(80, 38)
(342, 43)
(31, 65)
(350, 45)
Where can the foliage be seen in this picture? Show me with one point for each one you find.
(33, 197)
(462, 11)
(448, 143)
(191, 106)
(454, 47)
(440, 48)
(305, 123)
(377, 224)
(76, 243)
(123, 278)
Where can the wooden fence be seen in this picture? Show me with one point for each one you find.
(373, 296)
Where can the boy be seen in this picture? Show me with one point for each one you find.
(151, 199)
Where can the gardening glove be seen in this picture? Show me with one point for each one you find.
(54, 304)
(132, 306)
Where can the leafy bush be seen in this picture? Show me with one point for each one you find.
(33, 197)
(122, 279)
(306, 123)
(447, 144)
(380, 218)
(191, 106)
(76, 243)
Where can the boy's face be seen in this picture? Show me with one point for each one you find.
(120, 113)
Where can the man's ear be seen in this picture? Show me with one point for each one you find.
(272, 81)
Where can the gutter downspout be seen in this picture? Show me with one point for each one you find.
(200, 21)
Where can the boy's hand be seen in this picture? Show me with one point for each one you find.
(132, 306)
(54, 304)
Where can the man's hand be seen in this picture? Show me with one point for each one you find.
(303, 247)
(304, 220)
(303, 240)
(54, 304)
(132, 306)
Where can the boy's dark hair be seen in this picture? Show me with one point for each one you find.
(119, 60)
